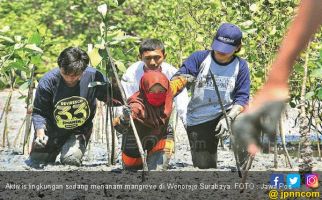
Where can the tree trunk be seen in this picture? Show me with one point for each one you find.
(299, 151)
(29, 107)
(306, 164)
(112, 134)
(282, 133)
(27, 132)
(94, 132)
(317, 125)
(318, 144)
(103, 123)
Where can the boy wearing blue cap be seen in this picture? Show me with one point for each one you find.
(205, 121)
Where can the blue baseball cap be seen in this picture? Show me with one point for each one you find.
(227, 38)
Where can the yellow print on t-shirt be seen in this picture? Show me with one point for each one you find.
(71, 112)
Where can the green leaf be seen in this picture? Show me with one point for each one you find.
(24, 86)
(103, 53)
(22, 97)
(17, 64)
(35, 38)
(34, 48)
(18, 38)
(114, 42)
(247, 23)
(290, 10)
(100, 46)
(5, 29)
(7, 39)
(250, 31)
(95, 57)
(18, 46)
(320, 94)
(273, 30)
(317, 73)
(36, 60)
(23, 75)
(298, 68)
(254, 7)
(309, 95)
(113, 3)
(120, 65)
(123, 37)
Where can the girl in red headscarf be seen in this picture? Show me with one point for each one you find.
(150, 109)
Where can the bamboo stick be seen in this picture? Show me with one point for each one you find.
(275, 151)
(17, 138)
(5, 129)
(282, 134)
(29, 102)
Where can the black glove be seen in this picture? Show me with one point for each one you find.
(125, 118)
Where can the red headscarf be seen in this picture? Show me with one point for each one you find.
(144, 112)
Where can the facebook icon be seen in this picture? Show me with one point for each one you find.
(277, 180)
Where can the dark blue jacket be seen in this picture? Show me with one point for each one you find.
(65, 108)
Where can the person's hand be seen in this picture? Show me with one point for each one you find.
(126, 114)
(222, 128)
(248, 126)
(41, 139)
(188, 77)
(252, 149)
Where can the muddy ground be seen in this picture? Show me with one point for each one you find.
(95, 159)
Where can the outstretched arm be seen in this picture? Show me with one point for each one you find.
(177, 84)
(268, 102)
(304, 25)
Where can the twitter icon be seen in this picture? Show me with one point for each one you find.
(293, 181)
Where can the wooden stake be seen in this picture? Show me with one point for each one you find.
(29, 102)
(247, 168)
(17, 138)
(137, 138)
(5, 129)
(282, 134)
(275, 150)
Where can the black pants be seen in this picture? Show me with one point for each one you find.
(203, 144)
